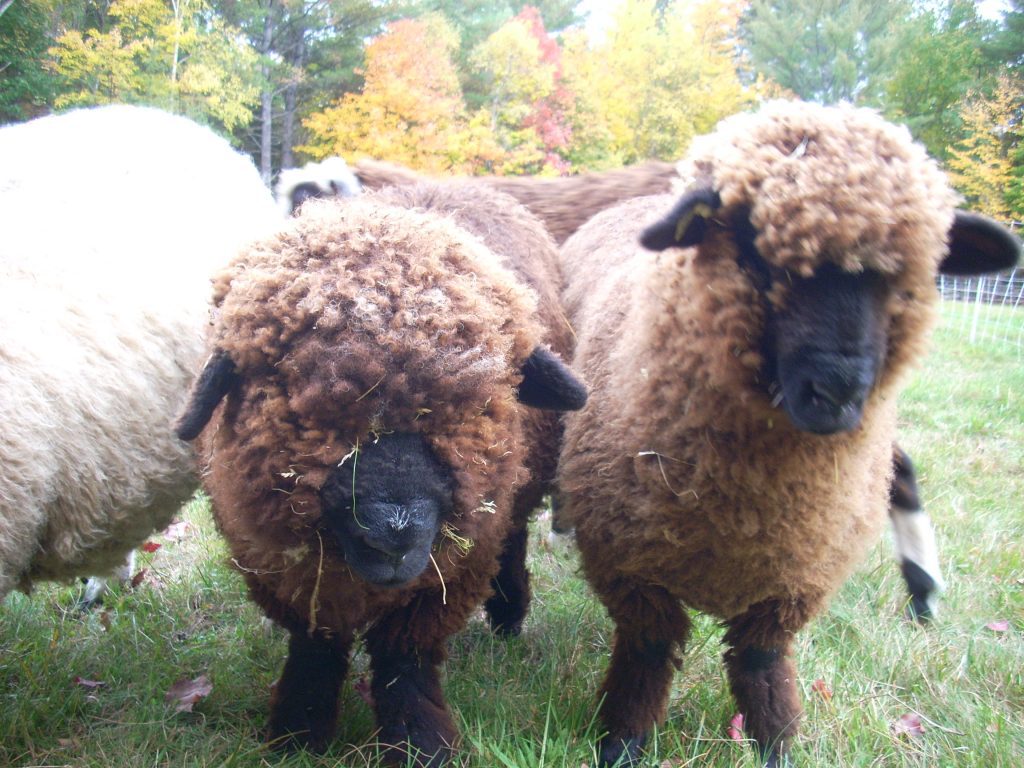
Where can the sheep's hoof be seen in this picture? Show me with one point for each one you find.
(505, 617)
(405, 755)
(772, 758)
(506, 630)
(294, 737)
(620, 752)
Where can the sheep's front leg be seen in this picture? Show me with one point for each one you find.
(406, 650)
(649, 626)
(304, 706)
(507, 607)
(763, 677)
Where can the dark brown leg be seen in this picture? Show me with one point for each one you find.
(649, 627)
(763, 677)
(507, 607)
(304, 706)
(412, 715)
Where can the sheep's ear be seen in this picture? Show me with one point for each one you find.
(549, 384)
(216, 380)
(307, 190)
(686, 224)
(978, 244)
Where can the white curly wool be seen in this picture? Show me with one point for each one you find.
(113, 220)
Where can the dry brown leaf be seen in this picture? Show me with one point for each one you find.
(185, 693)
(909, 725)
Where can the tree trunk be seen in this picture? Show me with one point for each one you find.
(267, 98)
(291, 98)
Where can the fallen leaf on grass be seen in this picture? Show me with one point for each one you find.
(1001, 625)
(88, 683)
(178, 531)
(105, 620)
(821, 688)
(909, 725)
(735, 729)
(184, 693)
(362, 687)
(151, 546)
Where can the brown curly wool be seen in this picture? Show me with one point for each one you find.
(686, 484)
(523, 245)
(355, 321)
(380, 336)
(563, 203)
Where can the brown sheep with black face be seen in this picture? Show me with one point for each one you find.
(374, 362)
(735, 455)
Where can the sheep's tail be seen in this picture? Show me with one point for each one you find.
(914, 539)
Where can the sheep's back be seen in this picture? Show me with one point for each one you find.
(114, 219)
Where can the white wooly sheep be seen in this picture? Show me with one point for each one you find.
(113, 219)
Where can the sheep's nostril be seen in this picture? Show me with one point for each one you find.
(837, 392)
(395, 553)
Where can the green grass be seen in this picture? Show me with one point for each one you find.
(529, 702)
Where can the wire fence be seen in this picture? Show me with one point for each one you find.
(986, 309)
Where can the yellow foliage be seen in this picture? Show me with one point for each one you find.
(654, 83)
(980, 166)
(410, 110)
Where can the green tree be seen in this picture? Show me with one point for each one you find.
(178, 56)
(1007, 45)
(27, 87)
(826, 50)
(941, 62)
(309, 51)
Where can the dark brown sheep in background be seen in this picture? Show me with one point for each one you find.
(373, 361)
(735, 455)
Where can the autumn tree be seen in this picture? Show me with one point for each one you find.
(410, 109)
(521, 67)
(981, 165)
(178, 56)
(476, 20)
(659, 77)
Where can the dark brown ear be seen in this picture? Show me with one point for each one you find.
(215, 381)
(687, 222)
(979, 244)
(549, 384)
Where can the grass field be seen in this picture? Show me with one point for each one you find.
(89, 689)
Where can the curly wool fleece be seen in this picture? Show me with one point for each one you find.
(360, 319)
(679, 414)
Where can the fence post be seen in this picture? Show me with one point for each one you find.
(977, 308)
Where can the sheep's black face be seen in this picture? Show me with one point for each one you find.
(385, 506)
(826, 347)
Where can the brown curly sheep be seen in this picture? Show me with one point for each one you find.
(372, 360)
(735, 454)
(564, 204)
